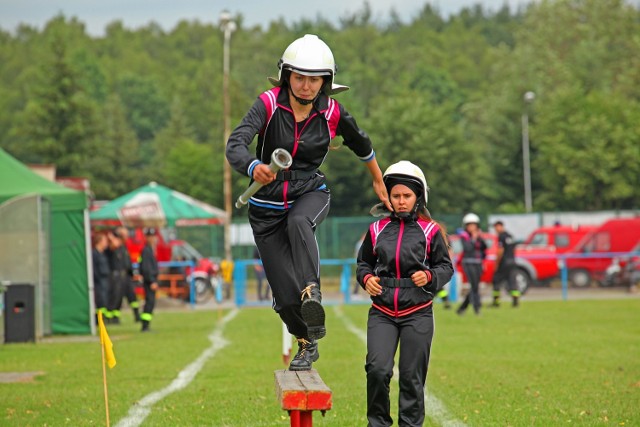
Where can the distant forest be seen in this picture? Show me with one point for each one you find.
(446, 93)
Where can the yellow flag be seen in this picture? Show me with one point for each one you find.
(106, 343)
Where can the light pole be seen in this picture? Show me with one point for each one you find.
(228, 26)
(526, 164)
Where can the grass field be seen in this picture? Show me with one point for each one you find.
(544, 364)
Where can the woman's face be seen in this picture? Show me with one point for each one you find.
(305, 87)
(102, 242)
(403, 199)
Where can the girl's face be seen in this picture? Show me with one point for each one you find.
(305, 87)
(472, 228)
(102, 242)
(403, 199)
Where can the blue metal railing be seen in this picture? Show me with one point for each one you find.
(348, 270)
(240, 277)
(347, 273)
(346, 279)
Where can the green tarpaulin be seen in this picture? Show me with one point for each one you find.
(70, 299)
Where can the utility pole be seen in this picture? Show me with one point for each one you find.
(526, 163)
(228, 26)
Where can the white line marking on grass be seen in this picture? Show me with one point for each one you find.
(142, 409)
(434, 407)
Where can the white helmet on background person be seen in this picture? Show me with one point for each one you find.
(470, 218)
(309, 56)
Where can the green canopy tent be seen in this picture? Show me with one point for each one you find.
(70, 298)
(155, 205)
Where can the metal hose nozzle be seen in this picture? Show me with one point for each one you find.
(280, 159)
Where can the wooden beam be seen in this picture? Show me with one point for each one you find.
(300, 393)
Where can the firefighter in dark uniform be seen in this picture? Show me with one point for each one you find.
(117, 269)
(297, 115)
(100, 273)
(121, 277)
(128, 284)
(402, 264)
(474, 251)
(506, 265)
(149, 273)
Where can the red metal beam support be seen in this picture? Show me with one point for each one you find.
(301, 393)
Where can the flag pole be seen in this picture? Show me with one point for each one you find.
(104, 374)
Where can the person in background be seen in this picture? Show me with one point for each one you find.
(403, 262)
(506, 263)
(226, 271)
(443, 294)
(149, 273)
(300, 116)
(261, 278)
(100, 273)
(474, 251)
(117, 267)
(129, 288)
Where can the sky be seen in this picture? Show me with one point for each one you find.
(97, 14)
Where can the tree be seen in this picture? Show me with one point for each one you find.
(411, 128)
(444, 91)
(589, 150)
(114, 167)
(59, 122)
(190, 169)
(146, 106)
(177, 131)
(578, 57)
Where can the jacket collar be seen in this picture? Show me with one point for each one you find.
(413, 216)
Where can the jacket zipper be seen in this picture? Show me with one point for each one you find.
(396, 292)
(296, 138)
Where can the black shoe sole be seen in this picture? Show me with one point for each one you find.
(299, 368)
(313, 315)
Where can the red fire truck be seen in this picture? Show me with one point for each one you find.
(618, 235)
(536, 258)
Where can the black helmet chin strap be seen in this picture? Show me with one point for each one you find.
(301, 100)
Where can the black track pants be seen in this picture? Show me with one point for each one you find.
(289, 251)
(415, 333)
(149, 302)
(101, 293)
(473, 271)
(116, 291)
(504, 273)
(130, 293)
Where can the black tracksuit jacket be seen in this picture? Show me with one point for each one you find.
(271, 118)
(395, 249)
(148, 266)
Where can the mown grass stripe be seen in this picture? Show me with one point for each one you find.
(142, 409)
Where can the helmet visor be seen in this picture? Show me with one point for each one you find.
(414, 184)
(307, 72)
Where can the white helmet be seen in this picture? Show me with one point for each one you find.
(470, 218)
(404, 170)
(309, 56)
